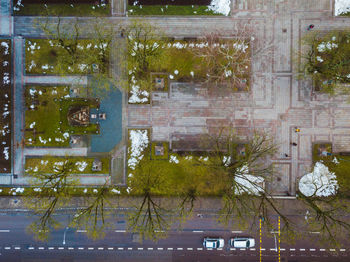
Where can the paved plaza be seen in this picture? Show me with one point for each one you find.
(277, 102)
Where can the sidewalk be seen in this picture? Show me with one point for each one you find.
(6, 21)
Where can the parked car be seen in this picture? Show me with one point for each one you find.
(213, 242)
(242, 242)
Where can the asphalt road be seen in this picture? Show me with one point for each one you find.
(68, 244)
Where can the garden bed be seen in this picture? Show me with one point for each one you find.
(42, 57)
(178, 7)
(81, 165)
(5, 110)
(61, 7)
(46, 116)
(181, 61)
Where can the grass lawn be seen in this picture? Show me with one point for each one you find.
(43, 116)
(44, 56)
(181, 61)
(42, 126)
(82, 165)
(145, 10)
(62, 10)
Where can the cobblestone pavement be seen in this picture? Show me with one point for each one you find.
(277, 101)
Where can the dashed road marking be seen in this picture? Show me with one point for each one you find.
(81, 231)
(197, 231)
(150, 248)
(342, 250)
(40, 248)
(100, 248)
(242, 249)
(160, 248)
(189, 248)
(4, 230)
(111, 248)
(80, 248)
(302, 249)
(292, 249)
(199, 248)
(315, 232)
(219, 248)
(30, 248)
(170, 248)
(252, 249)
(180, 248)
(120, 248)
(312, 249)
(120, 231)
(51, 248)
(232, 249)
(272, 249)
(91, 248)
(7, 248)
(71, 248)
(17, 248)
(140, 248)
(322, 249)
(159, 231)
(262, 249)
(209, 249)
(332, 249)
(61, 248)
(236, 231)
(129, 248)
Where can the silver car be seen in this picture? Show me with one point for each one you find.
(242, 242)
(213, 242)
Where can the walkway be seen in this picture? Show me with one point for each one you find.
(6, 21)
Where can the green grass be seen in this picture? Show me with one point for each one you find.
(65, 104)
(46, 165)
(46, 117)
(316, 157)
(63, 10)
(166, 151)
(44, 56)
(169, 10)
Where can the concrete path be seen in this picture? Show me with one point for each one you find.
(58, 80)
(56, 151)
(6, 20)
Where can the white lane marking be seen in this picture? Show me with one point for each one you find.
(159, 231)
(120, 248)
(197, 231)
(262, 249)
(180, 248)
(236, 231)
(129, 248)
(252, 249)
(315, 232)
(274, 232)
(51, 248)
(292, 249)
(71, 248)
(322, 249)
(189, 248)
(4, 230)
(199, 248)
(81, 231)
(232, 249)
(282, 249)
(170, 248)
(111, 248)
(220, 248)
(160, 248)
(302, 249)
(17, 248)
(30, 248)
(332, 249)
(312, 249)
(100, 248)
(273, 249)
(80, 248)
(7, 248)
(342, 250)
(41, 248)
(91, 248)
(150, 248)
(120, 231)
(242, 249)
(140, 248)
(61, 248)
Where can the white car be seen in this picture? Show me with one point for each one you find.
(242, 242)
(213, 242)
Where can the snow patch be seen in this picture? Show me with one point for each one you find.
(138, 143)
(81, 165)
(341, 6)
(220, 6)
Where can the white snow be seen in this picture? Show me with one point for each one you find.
(323, 46)
(115, 191)
(137, 93)
(32, 125)
(81, 165)
(138, 143)
(335, 161)
(176, 72)
(220, 6)
(6, 152)
(341, 6)
(173, 159)
(6, 45)
(85, 190)
(65, 135)
(319, 59)
(321, 182)
(95, 190)
(248, 183)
